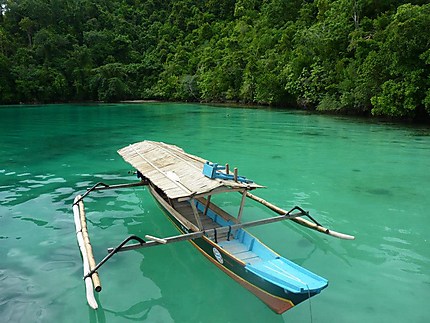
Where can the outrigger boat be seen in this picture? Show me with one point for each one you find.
(183, 184)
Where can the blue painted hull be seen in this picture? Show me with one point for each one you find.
(278, 282)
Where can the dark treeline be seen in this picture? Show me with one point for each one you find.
(348, 56)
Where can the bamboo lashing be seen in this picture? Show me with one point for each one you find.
(300, 221)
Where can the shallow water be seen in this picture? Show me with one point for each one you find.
(364, 178)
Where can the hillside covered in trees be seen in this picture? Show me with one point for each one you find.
(349, 56)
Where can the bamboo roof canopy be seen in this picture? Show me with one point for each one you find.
(177, 173)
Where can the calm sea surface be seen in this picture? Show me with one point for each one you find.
(368, 179)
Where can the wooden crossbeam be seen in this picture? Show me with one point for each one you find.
(199, 234)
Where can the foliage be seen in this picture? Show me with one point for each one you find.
(352, 56)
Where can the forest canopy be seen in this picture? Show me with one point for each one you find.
(347, 56)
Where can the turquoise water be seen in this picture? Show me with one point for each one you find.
(359, 177)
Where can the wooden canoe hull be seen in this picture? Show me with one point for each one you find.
(278, 304)
(278, 299)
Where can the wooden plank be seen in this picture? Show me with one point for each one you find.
(246, 255)
(242, 203)
(155, 160)
(196, 214)
(234, 247)
(186, 210)
(185, 222)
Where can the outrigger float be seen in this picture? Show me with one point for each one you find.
(183, 184)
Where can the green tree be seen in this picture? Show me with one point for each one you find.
(404, 49)
(353, 56)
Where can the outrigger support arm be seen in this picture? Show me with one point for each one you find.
(114, 251)
(102, 186)
(312, 225)
(93, 188)
(153, 242)
(142, 244)
(194, 235)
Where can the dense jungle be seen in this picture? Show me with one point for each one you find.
(344, 56)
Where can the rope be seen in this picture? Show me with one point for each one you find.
(229, 232)
(310, 303)
(215, 236)
(305, 213)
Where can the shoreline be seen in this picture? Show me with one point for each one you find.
(234, 104)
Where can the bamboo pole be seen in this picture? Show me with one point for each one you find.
(89, 250)
(196, 214)
(242, 204)
(300, 221)
(152, 243)
(199, 234)
(89, 289)
(86, 267)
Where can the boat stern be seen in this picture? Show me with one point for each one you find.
(297, 283)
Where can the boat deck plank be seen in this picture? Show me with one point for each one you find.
(240, 251)
(187, 211)
(233, 246)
